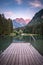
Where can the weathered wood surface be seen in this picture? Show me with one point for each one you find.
(21, 54)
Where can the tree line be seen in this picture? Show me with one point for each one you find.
(35, 29)
(6, 26)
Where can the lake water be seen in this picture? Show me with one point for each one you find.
(5, 41)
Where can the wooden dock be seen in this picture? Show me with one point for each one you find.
(21, 54)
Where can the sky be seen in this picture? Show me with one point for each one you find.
(20, 8)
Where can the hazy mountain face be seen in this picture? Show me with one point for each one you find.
(35, 26)
(37, 19)
(20, 22)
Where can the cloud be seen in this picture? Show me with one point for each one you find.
(19, 1)
(9, 14)
(36, 3)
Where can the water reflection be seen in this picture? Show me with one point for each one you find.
(22, 39)
(7, 40)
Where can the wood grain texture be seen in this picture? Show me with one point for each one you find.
(21, 54)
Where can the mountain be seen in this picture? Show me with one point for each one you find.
(35, 26)
(27, 21)
(16, 24)
(19, 22)
(37, 19)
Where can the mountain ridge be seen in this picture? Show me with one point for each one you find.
(37, 18)
(35, 26)
(19, 22)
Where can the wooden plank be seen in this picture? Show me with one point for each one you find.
(21, 54)
(6, 55)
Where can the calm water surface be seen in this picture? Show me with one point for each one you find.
(5, 41)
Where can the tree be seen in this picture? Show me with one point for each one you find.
(6, 26)
(20, 32)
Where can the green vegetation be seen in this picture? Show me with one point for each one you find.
(6, 26)
(36, 24)
(36, 29)
(19, 32)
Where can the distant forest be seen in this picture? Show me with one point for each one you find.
(6, 26)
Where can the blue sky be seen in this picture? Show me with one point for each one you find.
(20, 8)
